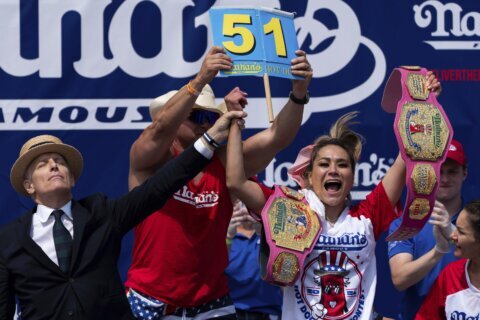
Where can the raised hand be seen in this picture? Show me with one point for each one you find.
(442, 227)
(215, 60)
(301, 67)
(219, 131)
(433, 84)
(442, 244)
(236, 99)
(441, 218)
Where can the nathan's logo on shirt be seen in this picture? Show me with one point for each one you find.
(345, 242)
(460, 315)
(198, 200)
(331, 288)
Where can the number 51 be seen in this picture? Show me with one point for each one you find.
(230, 29)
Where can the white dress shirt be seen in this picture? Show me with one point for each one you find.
(42, 228)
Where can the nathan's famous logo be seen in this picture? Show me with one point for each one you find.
(450, 23)
(198, 200)
(331, 287)
(242, 67)
(110, 45)
(346, 242)
(74, 114)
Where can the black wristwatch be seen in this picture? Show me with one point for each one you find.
(299, 101)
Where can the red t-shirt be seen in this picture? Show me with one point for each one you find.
(452, 296)
(179, 254)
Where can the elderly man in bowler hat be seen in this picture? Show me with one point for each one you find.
(59, 260)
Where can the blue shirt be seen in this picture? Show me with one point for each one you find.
(417, 246)
(247, 289)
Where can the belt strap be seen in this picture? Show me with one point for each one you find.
(423, 134)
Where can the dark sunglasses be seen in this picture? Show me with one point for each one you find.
(202, 116)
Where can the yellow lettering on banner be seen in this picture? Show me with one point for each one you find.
(230, 29)
(274, 26)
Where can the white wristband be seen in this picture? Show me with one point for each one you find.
(203, 149)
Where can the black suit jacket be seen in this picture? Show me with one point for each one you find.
(93, 288)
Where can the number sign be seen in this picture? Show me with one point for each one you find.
(258, 40)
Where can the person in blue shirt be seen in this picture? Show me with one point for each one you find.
(415, 263)
(254, 298)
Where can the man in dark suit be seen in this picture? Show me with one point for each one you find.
(59, 260)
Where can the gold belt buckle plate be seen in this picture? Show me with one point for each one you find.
(423, 179)
(293, 225)
(423, 131)
(285, 267)
(417, 86)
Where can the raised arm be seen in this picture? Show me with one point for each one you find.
(245, 190)
(394, 180)
(151, 195)
(260, 149)
(153, 148)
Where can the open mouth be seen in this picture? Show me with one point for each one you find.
(332, 186)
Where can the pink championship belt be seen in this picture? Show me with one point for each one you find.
(291, 230)
(423, 134)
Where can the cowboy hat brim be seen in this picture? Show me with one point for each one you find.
(205, 101)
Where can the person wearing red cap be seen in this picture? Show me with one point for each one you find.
(415, 263)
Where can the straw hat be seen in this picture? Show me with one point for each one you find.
(205, 101)
(37, 146)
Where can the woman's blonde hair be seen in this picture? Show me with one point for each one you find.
(340, 135)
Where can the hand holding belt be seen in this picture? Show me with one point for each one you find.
(291, 230)
(423, 134)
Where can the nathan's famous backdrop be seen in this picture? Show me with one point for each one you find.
(86, 71)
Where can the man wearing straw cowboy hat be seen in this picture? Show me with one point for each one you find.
(59, 260)
(179, 253)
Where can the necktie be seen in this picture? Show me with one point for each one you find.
(63, 242)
